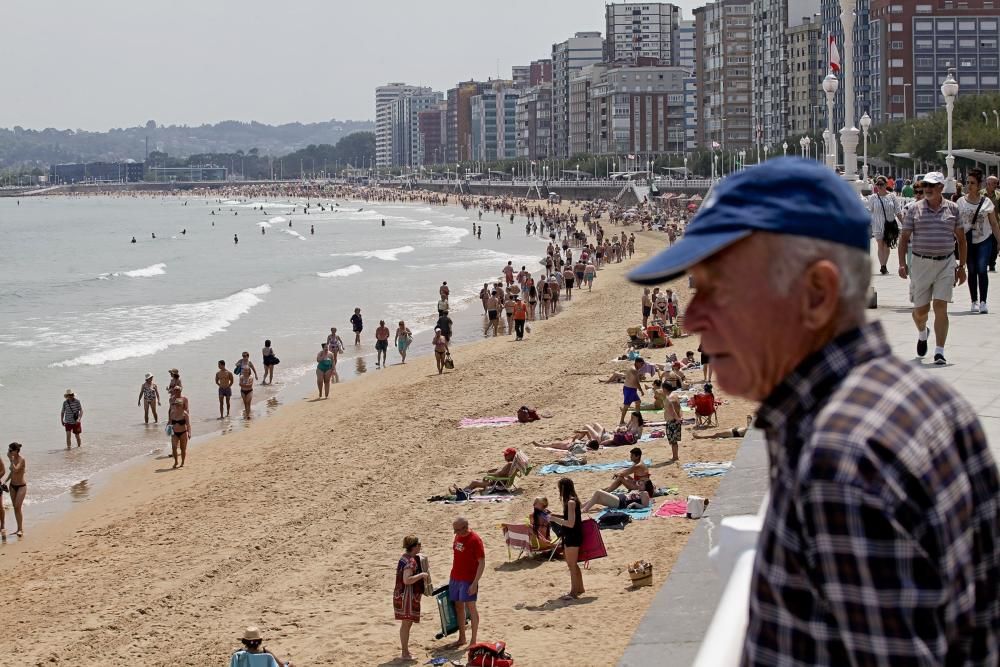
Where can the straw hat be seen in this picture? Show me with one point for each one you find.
(149, 376)
(174, 371)
(252, 634)
(69, 392)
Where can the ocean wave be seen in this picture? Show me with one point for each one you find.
(146, 272)
(292, 232)
(342, 273)
(128, 332)
(389, 255)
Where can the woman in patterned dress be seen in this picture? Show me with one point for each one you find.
(409, 589)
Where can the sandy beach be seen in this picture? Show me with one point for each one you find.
(295, 523)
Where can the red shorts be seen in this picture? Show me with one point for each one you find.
(74, 428)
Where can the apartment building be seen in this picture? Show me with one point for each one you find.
(384, 96)
(807, 65)
(533, 118)
(722, 70)
(642, 30)
(638, 110)
(568, 58)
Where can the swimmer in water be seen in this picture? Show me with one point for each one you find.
(262, 232)
(236, 239)
(133, 240)
(312, 229)
(383, 222)
(153, 235)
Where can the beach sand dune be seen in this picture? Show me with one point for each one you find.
(295, 523)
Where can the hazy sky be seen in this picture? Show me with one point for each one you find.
(117, 63)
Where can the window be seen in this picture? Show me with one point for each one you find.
(924, 44)
(967, 25)
(988, 44)
(923, 26)
(925, 81)
(988, 25)
(988, 80)
(924, 98)
(925, 63)
(896, 81)
(967, 62)
(895, 27)
(922, 9)
(896, 46)
(967, 43)
(896, 62)
(896, 9)
(945, 25)
(988, 62)
(967, 79)
(897, 99)
(946, 44)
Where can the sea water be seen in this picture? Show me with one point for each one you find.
(83, 308)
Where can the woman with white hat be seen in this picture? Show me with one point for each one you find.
(149, 398)
(253, 653)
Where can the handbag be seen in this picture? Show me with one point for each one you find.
(169, 430)
(448, 363)
(890, 233)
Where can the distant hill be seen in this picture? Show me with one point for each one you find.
(19, 146)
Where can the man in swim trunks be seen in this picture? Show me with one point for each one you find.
(508, 272)
(647, 307)
(381, 343)
(492, 314)
(672, 415)
(357, 325)
(72, 417)
(632, 478)
(633, 390)
(224, 380)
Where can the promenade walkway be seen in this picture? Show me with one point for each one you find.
(673, 627)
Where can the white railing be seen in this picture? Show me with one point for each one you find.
(733, 557)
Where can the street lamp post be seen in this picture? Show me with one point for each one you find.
(949, 89)
(866, 122)
(905, 86)
(743, 159)
(807, 142)
(849, 133)
(784, 149)
(802, 147)
(830, 86)
(996, 114)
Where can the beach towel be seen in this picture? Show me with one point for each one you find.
(486, 422)
(672, 508)
(636, 514)
(665, 491)
(489, 498)
(556, 469)
(646, 437)
(708, 468)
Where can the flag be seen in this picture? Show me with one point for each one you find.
(631, 157)
(834, 56)
(715, 144)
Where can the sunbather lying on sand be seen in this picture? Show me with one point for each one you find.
(734, 432)
(623, 435)
(631, 500)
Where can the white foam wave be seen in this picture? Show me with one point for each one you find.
(125, 333)
(342, 273)
(146, 272)
(292, 232)
(277, 220)
(389, 255)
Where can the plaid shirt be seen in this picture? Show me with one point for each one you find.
(881, 544)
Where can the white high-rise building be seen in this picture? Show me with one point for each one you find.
(642, 30)
(384, 96)
(404, 115)
(568, 58)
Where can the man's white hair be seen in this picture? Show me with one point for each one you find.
(793, 254)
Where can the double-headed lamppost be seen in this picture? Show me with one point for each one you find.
(866, 122)
(849, 133)
(802, 147)
(950, 91)
(807, 142)
(830, 86)
(743, 159)
(784, 149)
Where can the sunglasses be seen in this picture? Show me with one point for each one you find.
(918, 192)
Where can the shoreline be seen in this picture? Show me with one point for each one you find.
(288, 524)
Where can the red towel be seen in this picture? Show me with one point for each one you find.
(672, 508)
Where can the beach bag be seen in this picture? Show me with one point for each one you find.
(448, 363)
(526, 414)
(614, 519)
(890, 232)
(489, 654)
(169, 430)
(696, 506)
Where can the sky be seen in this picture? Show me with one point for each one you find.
(101, 64)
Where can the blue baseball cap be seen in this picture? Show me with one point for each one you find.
(787, 195)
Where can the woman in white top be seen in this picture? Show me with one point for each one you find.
(883, 207)
(979, 219)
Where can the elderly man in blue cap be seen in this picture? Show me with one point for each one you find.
(881, 544)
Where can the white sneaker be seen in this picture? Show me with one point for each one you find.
(982, 307)
(975, 306)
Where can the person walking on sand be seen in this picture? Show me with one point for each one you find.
(410, 585)
(270, 361)
(468, 565)
(381, 344)
(647, 307)
(180, 425)
(246, 390)
(149, 398)
(571, 530)
(632, 390)
(325, 370)
(440, 349)
(72, 417)
(492, 314)
(335, 344)
(224, 380)
(18, 484)
(3, 516)
(244, 362)
(357, 325)
(672, 415)
(520, 317)
(402, 340)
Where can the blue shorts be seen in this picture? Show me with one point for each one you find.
(630, 394)
(458, 591)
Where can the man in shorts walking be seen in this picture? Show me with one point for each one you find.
(381, 343)
(224, 380)
(468, 564)
(932, 225)
(72, 417)
(672, 415)
(632, 391)
(357, 325)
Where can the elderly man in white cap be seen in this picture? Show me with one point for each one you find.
(933, 226)
(149, 398)
(880, 543)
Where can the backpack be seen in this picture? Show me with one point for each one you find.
(614, 519)
(526, 414)
(489, 654)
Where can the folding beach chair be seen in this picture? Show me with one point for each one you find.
(446, 612)
(705, 410)
(524, 538)
(522, 466)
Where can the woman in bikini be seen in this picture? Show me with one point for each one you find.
(632, 500)
(180, 426)
(246, 390)
(18, 484)
(324, 370)
(440, 350)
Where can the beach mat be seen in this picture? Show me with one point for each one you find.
(639, 514)
(708, 468)
(665, 491)
(491, 498)
(486, 422)
(556, 469)
(672, 508)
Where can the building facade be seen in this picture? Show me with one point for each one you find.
(722, 70)
(771, 69)
(384, 96)
(581, 139)
(540, 72)
(521, 75)
(128, 171)
(533, 119)
(431, 128)
(914, 44)
(568, 58)
(806, 69)
(458, 123)
(638, 111)
(494, 122)
(642, 29)
(404, 121)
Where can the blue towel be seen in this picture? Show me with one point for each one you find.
(708, 468)
(636, 514)
(556, 469)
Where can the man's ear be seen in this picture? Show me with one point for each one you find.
(820, 294)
